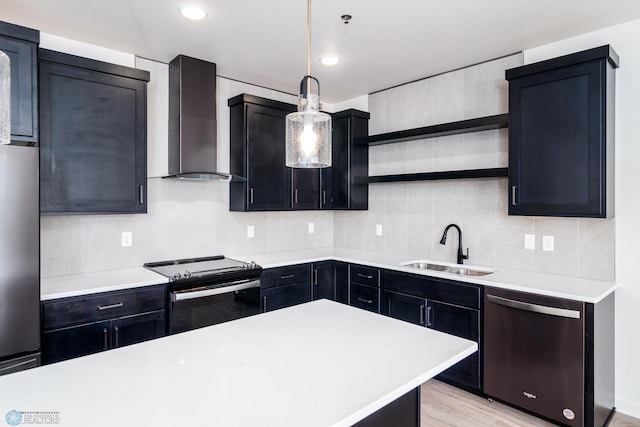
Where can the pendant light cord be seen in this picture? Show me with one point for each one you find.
(308, 44)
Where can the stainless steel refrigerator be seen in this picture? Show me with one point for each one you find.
(19, 259)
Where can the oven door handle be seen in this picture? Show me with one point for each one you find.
(207, 292)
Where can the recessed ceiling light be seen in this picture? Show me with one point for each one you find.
(329, 60)
(193, 12)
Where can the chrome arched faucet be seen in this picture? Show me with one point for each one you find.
(461, 256)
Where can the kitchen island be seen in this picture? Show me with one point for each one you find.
(315, 364)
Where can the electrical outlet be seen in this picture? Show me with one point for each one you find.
(378, 229)
(127, 239)
(530, 242)
(311, 228)
(250, 231)
(547, 243)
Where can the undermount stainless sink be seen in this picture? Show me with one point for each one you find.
(463, 271)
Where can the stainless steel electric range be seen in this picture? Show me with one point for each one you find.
(210, 290)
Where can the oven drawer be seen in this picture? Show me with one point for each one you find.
(288, 275)
(94, 308)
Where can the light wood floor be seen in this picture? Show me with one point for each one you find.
(444, 406)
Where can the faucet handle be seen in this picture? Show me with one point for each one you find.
(466, 256)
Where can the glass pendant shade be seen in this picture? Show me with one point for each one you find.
(5, 99)
(308, 143)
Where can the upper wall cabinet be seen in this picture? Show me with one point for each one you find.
(93, 139)
(561, 135)
(21, 44)
(257, 149)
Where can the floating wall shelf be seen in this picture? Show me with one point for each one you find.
(446, 129)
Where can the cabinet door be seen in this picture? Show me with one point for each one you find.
(404, 307)
(268, 179)
(365, 297)
(137, 328)
(341, 278)
(285, 296)
(305, 184)
(93, 141)
(464, 323)
(24, 88)
(557, 142)
(322, 280)
(67, 343)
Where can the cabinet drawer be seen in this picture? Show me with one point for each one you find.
(366, 297)
(93, 308)
(288, 275)
(369, 276)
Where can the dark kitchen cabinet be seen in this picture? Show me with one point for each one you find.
(79, 326)
(561, 135)
(305, 185)
(364, 287)
(330, 280)
(257, 152)
(285, 286)
(341, 184)
(21, 45)
(92, 136)
(443, 305)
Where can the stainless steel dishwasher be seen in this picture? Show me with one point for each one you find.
(534, 353)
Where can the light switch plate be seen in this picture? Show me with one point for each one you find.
(250, 231)
(378, 229)
(547, 243)
(311, 228)
(530, 242)
(127, 239)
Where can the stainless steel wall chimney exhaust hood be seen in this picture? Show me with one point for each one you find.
(192, 120)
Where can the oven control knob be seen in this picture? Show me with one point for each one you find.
(253, 264)
(177, 276)
(187, 274)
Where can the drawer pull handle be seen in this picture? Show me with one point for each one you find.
(365, 276)
(110, 306)
(429, 323)
(368, 301)
(288, 276)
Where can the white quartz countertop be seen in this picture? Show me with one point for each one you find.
(572, 288)
(317, 364)
(89, 283)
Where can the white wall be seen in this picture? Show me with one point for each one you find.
(624, 39)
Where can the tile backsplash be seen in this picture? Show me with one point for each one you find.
(188, 219)
(414, 214)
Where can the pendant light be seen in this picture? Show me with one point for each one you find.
(308, 143)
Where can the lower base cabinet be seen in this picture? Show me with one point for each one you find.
(78, 326)
(442, 305)
(282, 287)
(402, 412)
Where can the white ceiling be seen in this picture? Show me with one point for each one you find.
(263, 41)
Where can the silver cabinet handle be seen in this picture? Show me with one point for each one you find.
(264, 304)
(368, 301)
(251, 195)
(365, 276)
(535, 308)
(295, 196)
(513, 195)
(288, 276)
(117, 331)
(429, 323)
(141, 189)
(105, 335)
(324, 197)
(110, 306)
(422, 314)
(315, 276)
